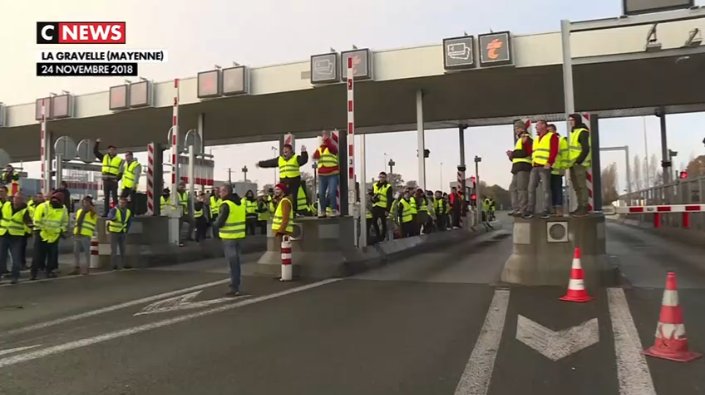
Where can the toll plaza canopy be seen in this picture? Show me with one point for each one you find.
(615, 73)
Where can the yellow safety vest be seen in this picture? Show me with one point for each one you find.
(563, 159)
(163, 202)
(408, 210)
(250, 206)
(414, 209)
(88, 225)
(279, 217)
(128, 179)
(13, 223)
(51, 221)
(393, 210)
(575, 148)
(215, 205)
(31, 206)
(183, 200)
(289, 168)
(527, 159)
(119, 224)
(381, 193)
(266, 214)
(438, 206)
(327, 159)
(234, 226)
(111, 166)
(301, 201)
(542, 149)
(5, 221)
(423, 205)
(197, 213)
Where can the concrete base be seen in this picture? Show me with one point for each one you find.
(543, 252)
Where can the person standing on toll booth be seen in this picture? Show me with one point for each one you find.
(328, 172)
(130, 179)
(231, 228)
(111, 171)
(83, 231)
(521, 169)
(186, 217)
(15, 217)
(581, 160)
(11, 179)
(119, 221)
(382, 199)
(251, 212)
(557, 172)
(50, 222)
(544, 156)
(289, 169)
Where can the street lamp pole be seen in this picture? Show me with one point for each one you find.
(478, 198)
(391, 166)
(244, 172)
(275, 169)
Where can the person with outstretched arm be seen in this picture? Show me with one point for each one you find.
(289, 169)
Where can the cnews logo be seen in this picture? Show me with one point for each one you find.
(81, 32)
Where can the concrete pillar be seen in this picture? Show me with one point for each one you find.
(420, 139)
(462, 167)
(201, 129)
(665, 158)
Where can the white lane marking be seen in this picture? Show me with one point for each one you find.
(18, 349)
(632, 371)
(108, 309)
(478, 371)
(182, 302)
(63, 277)
(556, 345)
(15, 359)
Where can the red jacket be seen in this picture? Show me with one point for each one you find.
(325, 171)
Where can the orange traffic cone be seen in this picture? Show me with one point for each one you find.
(576, 286)
(671, 342)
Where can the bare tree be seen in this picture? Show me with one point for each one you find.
(609, 184)
(696, 167)
(637, 180)
(654, 171)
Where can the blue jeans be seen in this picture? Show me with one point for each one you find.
(327, 189)
(232, 251)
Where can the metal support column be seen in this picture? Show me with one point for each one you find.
(420, 139)
(363, 195)
(568, 98)
(665, 158)
(201, 128)
(461, 143)
(343, 164)
(629, 173)
(191, 176)
(595, 151)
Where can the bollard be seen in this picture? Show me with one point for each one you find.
(95, 261)
(657, 220)
(287, 272)
(686, 220)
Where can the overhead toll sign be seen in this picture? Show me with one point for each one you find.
(459, 53)
(38, 108)
(324, 68)
(2, 115)
(208, 84)
(141, 94)
(362, 63)
(119, 97)
(62, 106)
(235, 80)
(633, 7)
(495, 49)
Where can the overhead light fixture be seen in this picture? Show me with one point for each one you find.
(236, 64)
(332, 50)
(217, 67)
(652, 43)
(694, 38)
(144, 79)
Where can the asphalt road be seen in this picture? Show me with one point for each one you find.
(434, 323)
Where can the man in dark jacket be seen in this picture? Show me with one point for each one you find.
(521, 169)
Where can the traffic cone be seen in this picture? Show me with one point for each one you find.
(671, 342)
(576, 286)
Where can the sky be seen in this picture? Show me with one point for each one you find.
(200, 34)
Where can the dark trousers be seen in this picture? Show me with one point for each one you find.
(293, 185)
(408, 229)
(23, 257)
(201, 228)
(557, 190)
(4, 253)
(456, 215)
(110, 188)
(262, 225)
(251, 225)
(215, 229)
(46, 256)
(379, 215)
(129, 193)
(441, 221)
(15, 243)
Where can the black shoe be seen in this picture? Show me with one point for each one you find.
(528, 215)
(545, 215)
(33, 278)
(51, 275)
(116, 268)
(127, 267)
(232, 294)
(14, 281)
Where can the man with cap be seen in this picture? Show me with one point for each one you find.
(50, 222)
(289, 169)
(231, 230)
(112, 169)
(521, 168)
